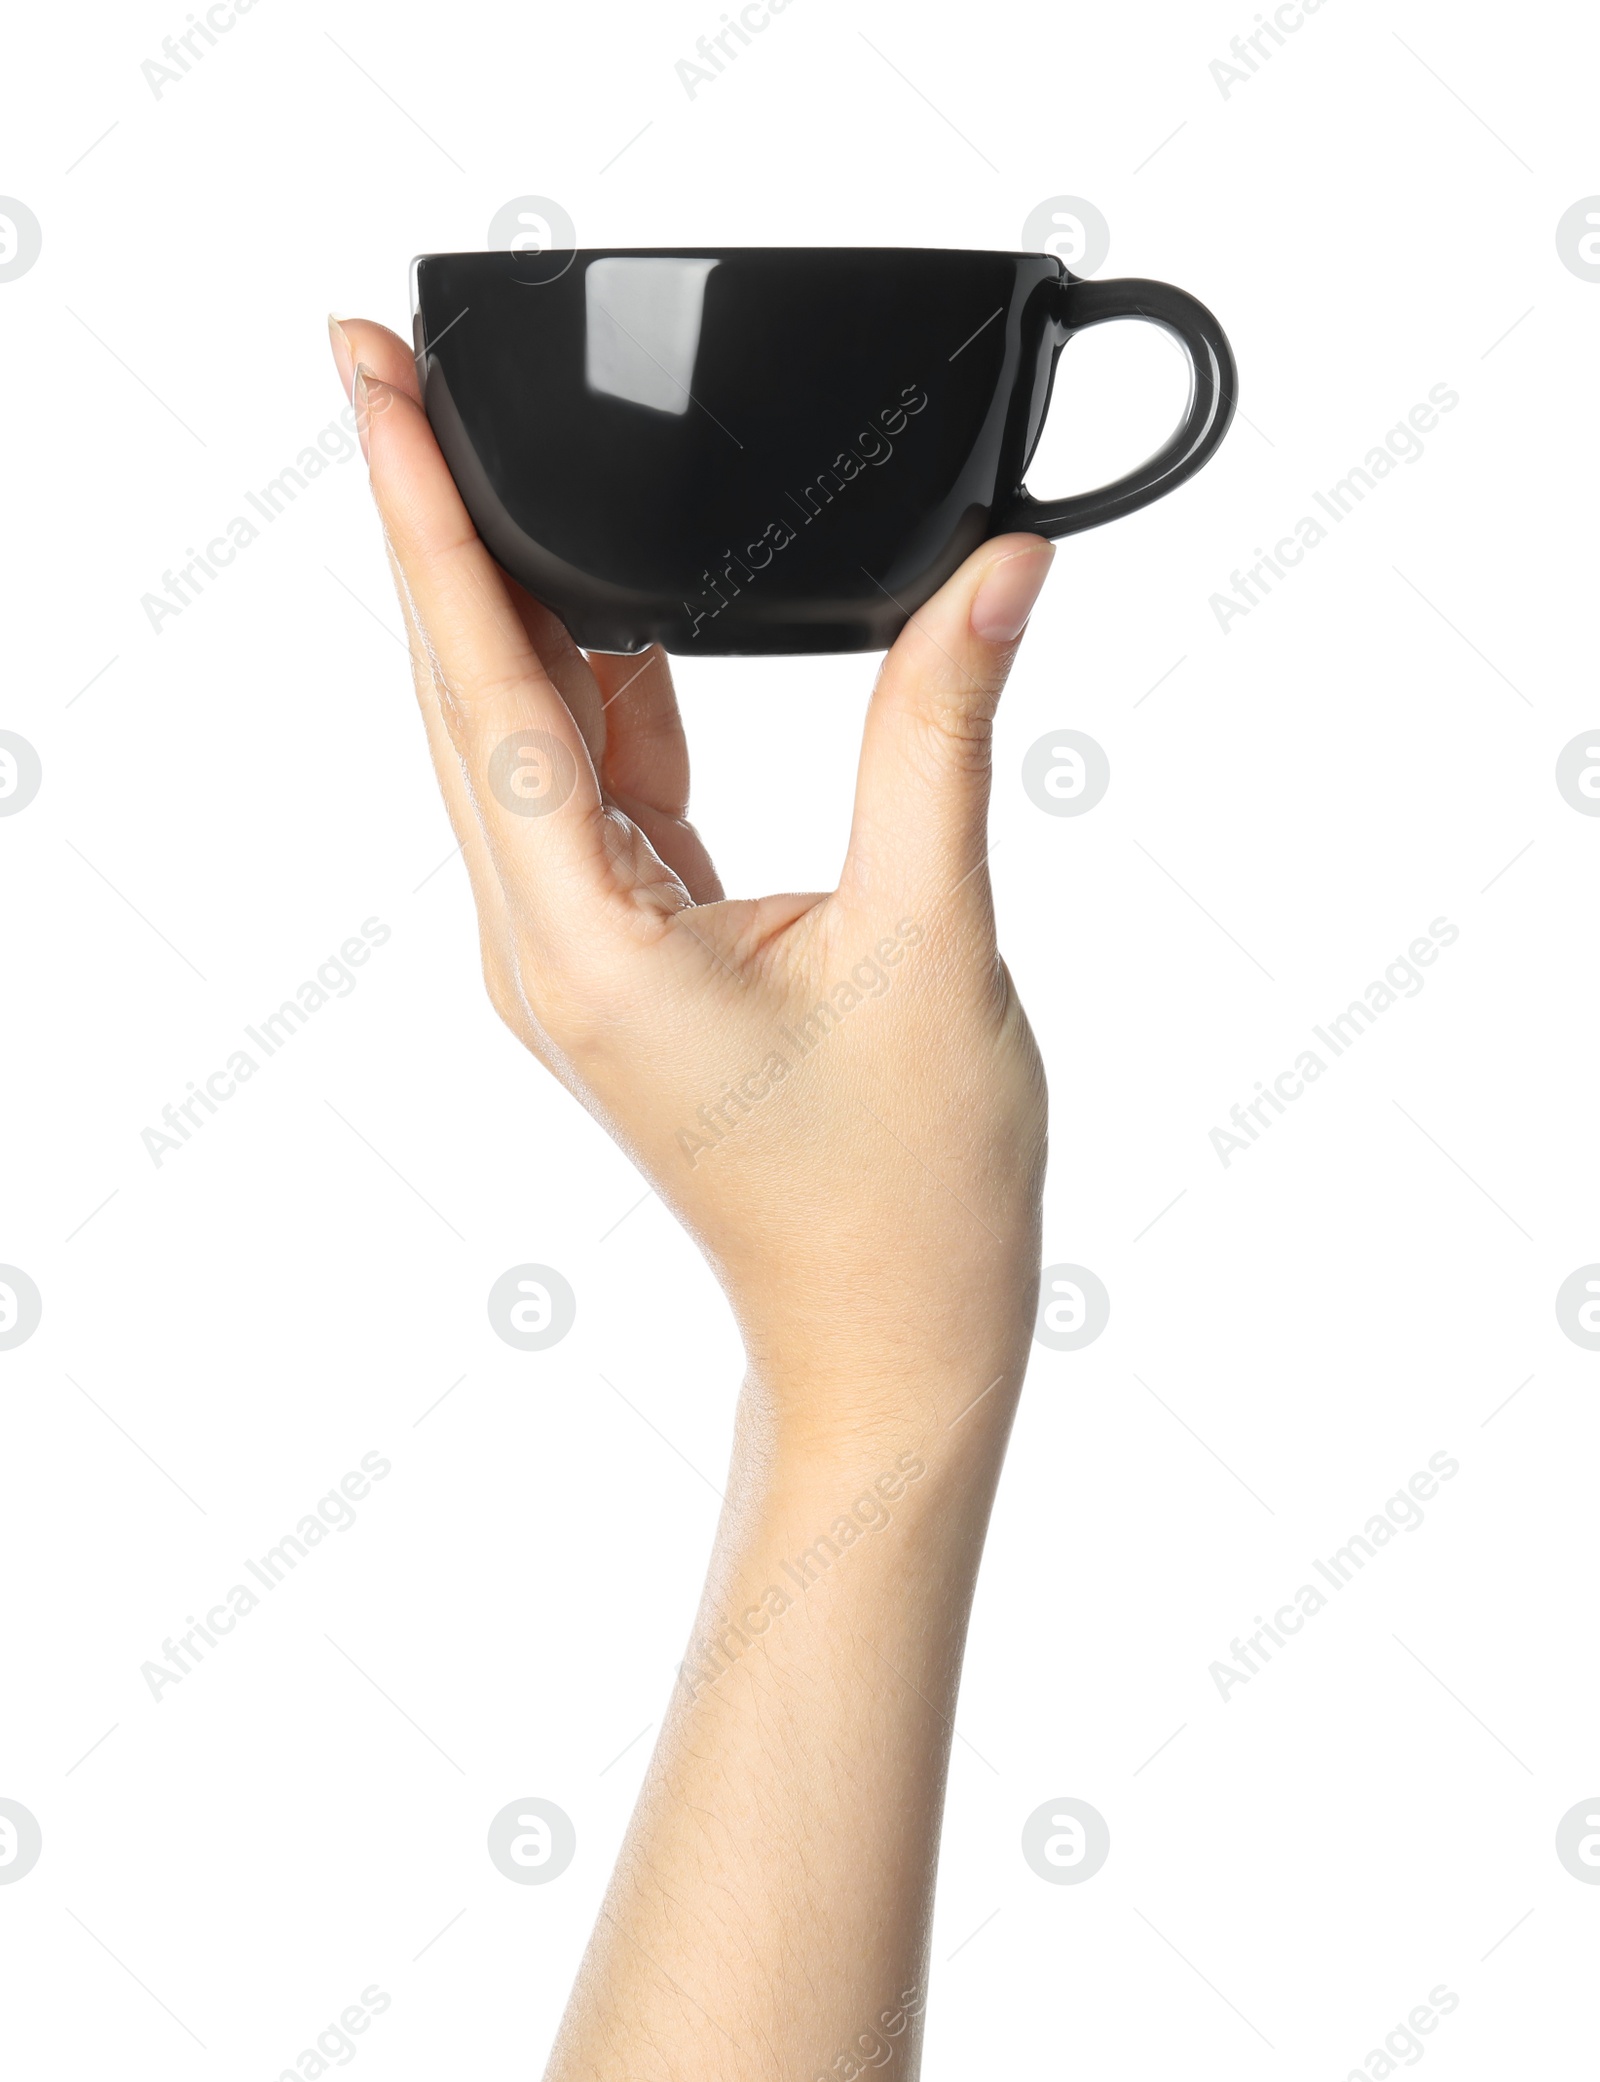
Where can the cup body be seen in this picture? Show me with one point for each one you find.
(736, 449)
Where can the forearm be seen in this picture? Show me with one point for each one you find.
(771, 1906)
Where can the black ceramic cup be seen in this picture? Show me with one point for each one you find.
(757, 449)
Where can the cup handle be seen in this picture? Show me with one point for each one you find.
(1213, 384)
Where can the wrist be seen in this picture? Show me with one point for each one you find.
(868, 1545)
(824, 1375)
(810, 1426)
(817, 1447)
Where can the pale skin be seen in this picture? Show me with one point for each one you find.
(873, 1217)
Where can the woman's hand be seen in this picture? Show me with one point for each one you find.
(840, 1097)
(837, 1093)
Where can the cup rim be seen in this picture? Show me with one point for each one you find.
(709, 250)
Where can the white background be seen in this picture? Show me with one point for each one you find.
(1371, 214)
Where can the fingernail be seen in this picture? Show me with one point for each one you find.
(343, 358)
(1005, 599)
(366, 382)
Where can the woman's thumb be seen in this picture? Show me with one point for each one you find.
(922, 794)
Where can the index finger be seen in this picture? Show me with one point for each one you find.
(522, 754)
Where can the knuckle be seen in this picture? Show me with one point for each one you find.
(505, 993)
(958, 733)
